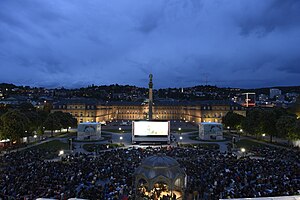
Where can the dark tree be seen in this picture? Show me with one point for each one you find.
(233, 120)
(52, 123)
(15, 125)
(288, 127)
(65, 119)
(252, 123)
(26, 107)
(268, 121)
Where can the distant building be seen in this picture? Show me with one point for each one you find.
(274, 93)
(14, 100)
(263, 97)
(91, 110)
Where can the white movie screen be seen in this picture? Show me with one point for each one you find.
(148, 128)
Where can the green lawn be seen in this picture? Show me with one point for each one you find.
(117, 130)
(52, 148)
(93, 141)
(184, 130)
(248, 144)
(54, 145)
(98, 147)
(195, 136)
(67, 135)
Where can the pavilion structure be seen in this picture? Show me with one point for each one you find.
(159, 176)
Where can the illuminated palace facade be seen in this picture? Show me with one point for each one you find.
(88, 110)
(200, 111)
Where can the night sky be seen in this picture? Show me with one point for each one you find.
(74, 43)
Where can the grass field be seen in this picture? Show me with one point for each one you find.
(104, 137)
(52, 148)
(97, 147)
(117, 131)
(54, 145)
(183, 130)
(67, 135)
(248, 144)
(195, 136)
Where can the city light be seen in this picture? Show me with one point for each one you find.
(263, 134)
(61, 152)
(120, 129)
(180, 137)
(243, 150)
(121, 138)
(35, 136)
(179, 129)
(241, 130)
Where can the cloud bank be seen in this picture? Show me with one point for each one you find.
(74, 43)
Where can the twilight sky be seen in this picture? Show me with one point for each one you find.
(73, 43)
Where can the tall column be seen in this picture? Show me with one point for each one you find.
(150, 96)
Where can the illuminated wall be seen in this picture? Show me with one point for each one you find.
(191, 113)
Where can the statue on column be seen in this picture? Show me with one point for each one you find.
(150, 81)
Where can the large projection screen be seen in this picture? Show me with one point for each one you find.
(151, 128)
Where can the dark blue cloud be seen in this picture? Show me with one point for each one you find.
(276, 15)
(182, 42)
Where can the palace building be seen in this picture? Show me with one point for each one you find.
(91, 110)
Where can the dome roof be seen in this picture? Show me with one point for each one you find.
(159, 161)
(160, 166)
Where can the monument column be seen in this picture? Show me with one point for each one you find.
(150, 96)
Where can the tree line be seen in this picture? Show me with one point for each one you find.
(271, 122)
(26, 121)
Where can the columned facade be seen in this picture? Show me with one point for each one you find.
(86, 110)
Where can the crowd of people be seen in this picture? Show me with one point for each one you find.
(109, 175)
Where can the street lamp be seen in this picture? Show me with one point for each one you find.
(241, 131)
(70, 143)
(61, 153)
(264, 135)
(243, 150)
(121, 138)
(179, 130)
(180, 138)
(120, 129)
